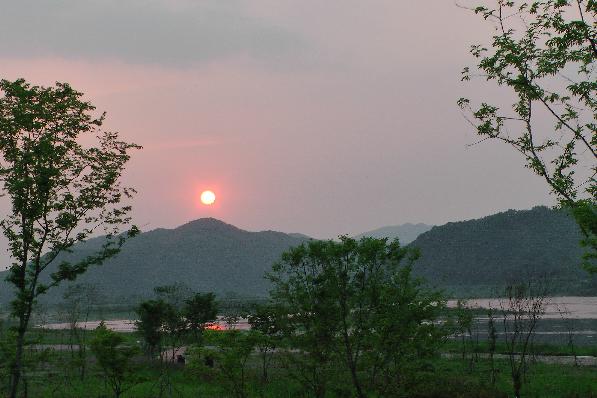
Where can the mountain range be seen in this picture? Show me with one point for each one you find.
(464, 258)
(405, 233)
(476, 257)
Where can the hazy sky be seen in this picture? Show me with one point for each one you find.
(322, 117)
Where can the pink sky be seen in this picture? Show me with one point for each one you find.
(320, 117)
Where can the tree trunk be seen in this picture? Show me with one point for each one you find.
(17, 368)
(517, 384)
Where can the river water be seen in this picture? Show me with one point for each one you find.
(557, 307)
(564, 316)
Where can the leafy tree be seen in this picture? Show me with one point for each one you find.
(230, 356)
(161, 325)
(61, 191)
(114, 359)
(545, 53)
(152, 314)
(199, 310)
(353, 306)
(267, 335)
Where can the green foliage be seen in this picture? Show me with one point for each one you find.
(198, 310)
(114, 358)
(268, 335)
(353, 307)
(545, 53)
(585, 214)
(478, 258)
(76, 307)
(7, 352)
(227, 362)
(180, 319)
(60, 190)
(464, 324)
(152, 316)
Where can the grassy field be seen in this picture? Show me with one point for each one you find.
(448, 378)
(55, 374)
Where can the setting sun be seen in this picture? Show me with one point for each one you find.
(208, 197)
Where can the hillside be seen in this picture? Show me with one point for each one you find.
(465, 258)
(406, 233)
(206, 254)
(474, 257)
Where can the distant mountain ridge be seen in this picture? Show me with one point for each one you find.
(480, 257)
(466, 258)
(205, 254)
(405, 233)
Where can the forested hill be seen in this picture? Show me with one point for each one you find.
(477, 256)
(466, 258)
(206, 255)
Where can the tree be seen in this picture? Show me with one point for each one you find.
(199, 310)
(353, 307)
(267, 335)
(545, 53)
(76, 307)
(161, 325)
(61, 191)
(464, 323)
(522, 308)
(113, 358)
(150, 326)
(492, 340)
(230, 357)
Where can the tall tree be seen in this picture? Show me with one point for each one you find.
(61, 172)
(114, 358)
(200, 309)
(150, 326)
(544, 52)
(353, 309)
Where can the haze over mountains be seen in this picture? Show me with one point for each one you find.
(465, 258)
(406, 233)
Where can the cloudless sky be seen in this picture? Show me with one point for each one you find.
(322, 117)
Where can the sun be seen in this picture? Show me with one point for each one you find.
(208, 197)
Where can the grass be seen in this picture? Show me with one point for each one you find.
(54, 375)
(455, 346)
(442, 378)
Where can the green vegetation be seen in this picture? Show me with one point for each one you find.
(345, 318)
(60, 193)
(352, 309)
(473, 258)
(207, 255)
(544, 53)
(114, 359)
(478, 258)
(442, 378)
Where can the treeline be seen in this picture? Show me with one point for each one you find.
(344, 318)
